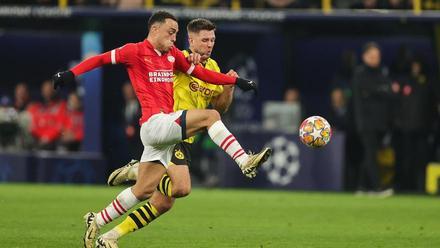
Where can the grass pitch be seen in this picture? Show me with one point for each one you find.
(51, 216)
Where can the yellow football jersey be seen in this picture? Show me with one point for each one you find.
(193, 93)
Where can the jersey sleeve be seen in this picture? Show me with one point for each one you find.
(120, 55)
(212, 77)
(124, 54)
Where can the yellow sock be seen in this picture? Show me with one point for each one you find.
(165, 185)
(137, 219)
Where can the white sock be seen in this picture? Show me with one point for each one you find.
(226, 141)
(119, 206)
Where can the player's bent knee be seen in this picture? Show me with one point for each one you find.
(182, 191)
(164, 206)
(213, 115)
(143, 193)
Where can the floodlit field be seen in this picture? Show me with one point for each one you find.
(51, 216)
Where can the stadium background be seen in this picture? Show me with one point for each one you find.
(280, 48)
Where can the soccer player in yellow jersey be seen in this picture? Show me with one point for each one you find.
(189, 93)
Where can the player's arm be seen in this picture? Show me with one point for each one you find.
(222, 102)
(115, 56)
(209, 76)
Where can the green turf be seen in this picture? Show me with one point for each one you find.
(51, 216)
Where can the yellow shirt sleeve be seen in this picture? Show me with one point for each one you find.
(193, 93)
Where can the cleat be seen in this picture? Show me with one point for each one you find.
(102, 242)
(249, 168)
(123, 174)
(92, 229)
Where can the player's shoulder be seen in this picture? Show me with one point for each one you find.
(174, 50)
(212, 64)
(129, 47)
(185, 53)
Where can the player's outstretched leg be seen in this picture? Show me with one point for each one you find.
(125, 173)
(202, 119)
(141, 217)
(94, 221)
(248, 163)
(150, 174)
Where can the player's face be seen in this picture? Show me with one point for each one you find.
(202, 43)
(166, 35)
(372, 57)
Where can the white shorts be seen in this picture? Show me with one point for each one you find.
(159, 135)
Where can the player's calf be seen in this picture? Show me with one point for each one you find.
(149, 176)
(180, 181)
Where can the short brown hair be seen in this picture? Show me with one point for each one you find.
(200, 24)
(160, 16)
(370, 45)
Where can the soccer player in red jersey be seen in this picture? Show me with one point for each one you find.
(150, 65)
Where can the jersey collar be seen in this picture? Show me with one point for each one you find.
(148, 44)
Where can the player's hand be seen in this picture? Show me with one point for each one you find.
(194, 58)
(232, 73)
(246, 84)
(61, 78)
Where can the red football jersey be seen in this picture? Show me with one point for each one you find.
(46, 120)
(151, 73)
(74, 123)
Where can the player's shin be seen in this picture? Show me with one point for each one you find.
(225, 140)
(136, 220)
(119, 206)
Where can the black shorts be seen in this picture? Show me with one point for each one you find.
(181, 154)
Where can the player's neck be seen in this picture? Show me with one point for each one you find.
(154, 43)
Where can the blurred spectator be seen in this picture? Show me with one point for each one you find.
(21, 103)
(47, 117)
(9, 128)
(130, 4)
(291, 95)
(372, 102)
(365, 4)
(283, 116)
(278, 4)
(199, 3)
(21, 97)
(132, 113)
(415, 113)
(342, 118)
(338, 112)
(15, 120)
(396, 4)
(73, 124)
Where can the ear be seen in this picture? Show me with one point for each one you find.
(190, 38)
(155, 26)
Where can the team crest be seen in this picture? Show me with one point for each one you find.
(171, 59)
(179, 154)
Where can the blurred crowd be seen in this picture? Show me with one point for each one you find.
(389, 115)
(299, 4)
(52, 124)
(395, 112)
